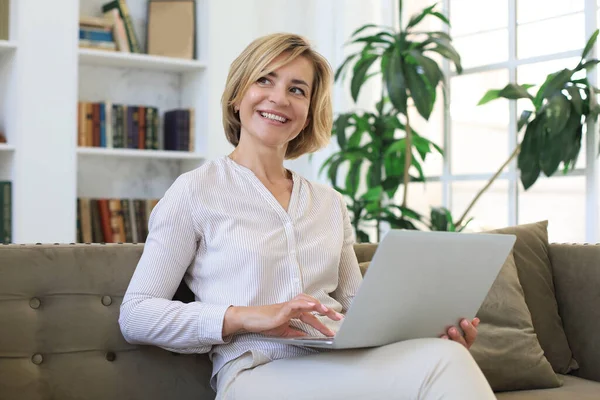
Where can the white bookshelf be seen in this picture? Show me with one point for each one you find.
(7, 46)
(115, 59)
(41, 83)
(143, 154)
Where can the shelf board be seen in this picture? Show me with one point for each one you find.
(7, 46)
(140, 61)
(6, 147)
(135, 153)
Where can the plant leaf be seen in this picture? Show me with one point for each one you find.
(523, 119)
(554, 82)
(360, 71)
(362, 28)
(422, 93)
(340, 125)
(446, 50)
(441, 16)
(430, 68)
(353, 177)
(590, 44)
(576, 99)
(557, 112)
(513, 91)
(438, 220)
(419, 17)
(340, 71)
(588, 65)
(491, 94)
(395, 80)
(528, 159)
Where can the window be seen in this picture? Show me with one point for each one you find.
(520, 41)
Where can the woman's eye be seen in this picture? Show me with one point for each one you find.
(297, 90)
(263, 80)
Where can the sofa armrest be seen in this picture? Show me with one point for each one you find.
(576, 270)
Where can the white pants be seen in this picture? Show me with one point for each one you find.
(415, 369)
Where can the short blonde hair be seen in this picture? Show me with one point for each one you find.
(253, 63)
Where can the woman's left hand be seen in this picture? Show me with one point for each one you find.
(470, 330)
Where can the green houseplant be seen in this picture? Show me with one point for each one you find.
(379, 148)
(554, 125)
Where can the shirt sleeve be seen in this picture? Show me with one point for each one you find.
(148, 315)
(350, 277)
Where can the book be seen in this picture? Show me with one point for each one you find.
(171, 28)
(4, 19)
(121, 5)
(119, 31)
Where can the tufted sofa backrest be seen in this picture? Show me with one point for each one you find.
(59, 335)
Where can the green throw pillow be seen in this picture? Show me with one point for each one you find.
(507, 349)
(535, 275)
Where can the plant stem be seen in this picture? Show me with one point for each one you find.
(486, 187)
(407, 160)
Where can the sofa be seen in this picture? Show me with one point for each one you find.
(59, 336)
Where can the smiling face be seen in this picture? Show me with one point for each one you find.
(275, 108)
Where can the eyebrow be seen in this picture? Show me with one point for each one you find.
(294, 81)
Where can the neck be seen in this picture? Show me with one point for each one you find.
(265, 163)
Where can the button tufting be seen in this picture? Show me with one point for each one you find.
(35, 303)
(106, 300)
(110, 356)
(37, 359)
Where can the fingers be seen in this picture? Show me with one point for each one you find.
(316, 323)
(320, 308)
(455, 335)
(470, 333)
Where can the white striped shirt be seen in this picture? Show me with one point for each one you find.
(221, 230)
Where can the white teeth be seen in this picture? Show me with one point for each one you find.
(273, 117)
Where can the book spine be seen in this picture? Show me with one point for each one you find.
(95, 35)
(156, 144)
(102, 125)
(109, 124)
(6, 211)
(126, 217)
(142, 128)
(126, 16)
(96, 124)
(148, 134)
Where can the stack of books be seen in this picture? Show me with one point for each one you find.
(118, 126)
(96, 33)
(113, 220)
(121, 126)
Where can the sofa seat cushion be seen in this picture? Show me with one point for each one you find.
(573, 388)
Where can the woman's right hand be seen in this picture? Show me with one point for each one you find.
(274, 319)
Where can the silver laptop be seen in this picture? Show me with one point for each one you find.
(418, 284)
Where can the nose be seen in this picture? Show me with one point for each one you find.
(279, 95)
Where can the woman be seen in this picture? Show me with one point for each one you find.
(267, 252)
